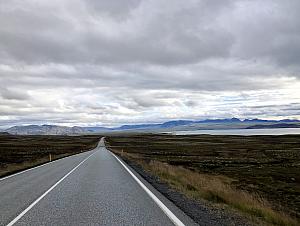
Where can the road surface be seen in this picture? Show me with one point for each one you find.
(91, 188)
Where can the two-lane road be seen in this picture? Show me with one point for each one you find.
(92, 188)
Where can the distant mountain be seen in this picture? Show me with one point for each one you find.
(139, 126)
(45, 130)
(233, 123)
(96, 129)
(258, 120)
(289, 120)
(272, 121)
(170, 124)
(232, 120)
(272, 126)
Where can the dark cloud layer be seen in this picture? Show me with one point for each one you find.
(73, 61)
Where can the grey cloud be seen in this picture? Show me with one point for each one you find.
(148, 101)
(133, 61)
(113, 8)
(13, 94)
(154, 33)
(268, 29)
(191, 103)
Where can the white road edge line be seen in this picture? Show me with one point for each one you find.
(44, 164)
(43, 195)
(165, 209)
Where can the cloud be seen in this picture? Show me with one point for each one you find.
(112, 62)
(10, 94)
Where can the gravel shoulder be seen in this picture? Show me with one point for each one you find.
(203, 213)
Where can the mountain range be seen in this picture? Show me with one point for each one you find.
(175, 125)
(45, 130)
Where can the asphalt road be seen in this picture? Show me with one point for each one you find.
(91, 188)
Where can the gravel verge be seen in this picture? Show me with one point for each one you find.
(202, 212)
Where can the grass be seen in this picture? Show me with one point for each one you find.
(232, 170)
(22, 152)
(217, 189)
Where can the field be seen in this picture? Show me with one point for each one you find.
(257, 175)
(21, 152)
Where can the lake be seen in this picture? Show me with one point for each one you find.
(244, 132)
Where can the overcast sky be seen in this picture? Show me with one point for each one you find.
(108, 62)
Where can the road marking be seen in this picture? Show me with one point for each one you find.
(24, 171)
(50, 189)
(165, 209)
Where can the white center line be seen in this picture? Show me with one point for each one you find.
(50, 189)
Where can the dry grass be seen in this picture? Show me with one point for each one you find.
(21, 152)
(16, 167)
(217, 189)
(264, 165)
(214, 188)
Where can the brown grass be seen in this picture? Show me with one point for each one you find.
(214, 188)
(264, 165)
(16, 167)
(22, 152)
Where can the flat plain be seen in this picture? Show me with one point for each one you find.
(22, 152)
(257, 175)
(262, 171)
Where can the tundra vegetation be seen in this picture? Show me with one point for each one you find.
(256, 175)
(22, 152)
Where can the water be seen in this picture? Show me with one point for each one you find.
(244, 132)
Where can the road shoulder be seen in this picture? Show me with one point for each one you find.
(187, 220)
(203, 213)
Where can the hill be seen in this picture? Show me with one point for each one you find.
(45, 130)
(174, 125)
